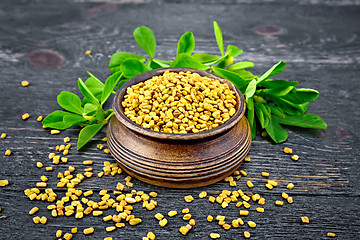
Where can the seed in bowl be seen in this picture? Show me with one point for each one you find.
(181, 102)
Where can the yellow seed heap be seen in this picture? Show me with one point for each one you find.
(179, 103)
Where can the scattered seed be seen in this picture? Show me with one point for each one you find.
(246, 234)
(214, 235)
(288, 150)
(33, 210)
(163, 222)
(88, 230)
(7, 153)
(188, 198)
(247, 159)
(88, 52)
(290, 186)
(249, 184)
(279, 203)
(88, 162)
(295, 157)
(265, 174)
(25, 83)
(39, 118)
(330, 234)
(3, 135)
(305, 219)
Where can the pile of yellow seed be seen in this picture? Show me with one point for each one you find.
(179, 103)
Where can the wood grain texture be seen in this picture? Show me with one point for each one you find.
(319, 40)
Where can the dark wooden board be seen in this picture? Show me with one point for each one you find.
(319, 40)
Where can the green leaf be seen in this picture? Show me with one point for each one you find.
(251, 116)
(146, 40)
(279, 91)
(290, 107)
(186, 43)
(90, 109)
(276, 110)
(246, 75)
(304, 121)
(302, 95)
(250, 89)
(263, 114)
(235, 78)
(205, 58)
(277, 83)
(274, 70)
(155, 64)
(276, 131)
(118, 58)
(110, 84)
(233, 51)
(132, 68)
(100, 114)
(71, 102)
(87, 133)
(86, 92)
(184, 60)
(95, 86)
(56, 120)
(74, 119)
(219, 37)
(241, 65)
(122, 82)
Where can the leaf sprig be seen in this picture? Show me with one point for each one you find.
(270, 103)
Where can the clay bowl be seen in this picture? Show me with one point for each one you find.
(178, 160)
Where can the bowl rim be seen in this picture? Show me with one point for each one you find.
(119, 114)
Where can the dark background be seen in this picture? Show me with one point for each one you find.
(44, 42)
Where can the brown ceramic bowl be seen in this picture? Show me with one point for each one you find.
(178, 160)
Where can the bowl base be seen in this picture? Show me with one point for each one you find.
(179, 163)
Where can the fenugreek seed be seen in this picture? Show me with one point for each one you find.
(192, 222)
(25, 116)
(54, 132)
(246, 204)
(247, 159)
(290, 186)
(288, 150)
(185, 210)
(68, 236)
(305, 219)
(7, 153)
(290, 200)
(279, 203)
(330, 234)
(188, 198)
(74, 230)
(265, 174)
(184, 230)
(151, 235)
(284, 195)
(4, 183)
(214, 235)
(163, 222)
(239, 204)
(43, 220)
(88, 193)
(25, 83)
(41, 184)
(120, 225)
(269, 186)
(44, 178)
(210, 218)
(39, 165)
(249, 184)
(272, 183)
(295, 157)
(251, 224)
(3, 135)
(187, 216)
(159, 216)
(172, 213)
(135, 221)
(242, 172)
(260, 210)
(88, 162)
(33, 210)
(39, 118)
(110, 229)
(226, 226)
(211, 199)
(100, 174)
(220, 218)
(106, 150)
(36, 219)
(202, 194)
(88, 52)
(58, 233)
(107, 218)
(244, 213)
(224, 204)
(88, 230)
(100, 146)
(153, 194)
(246, 234)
